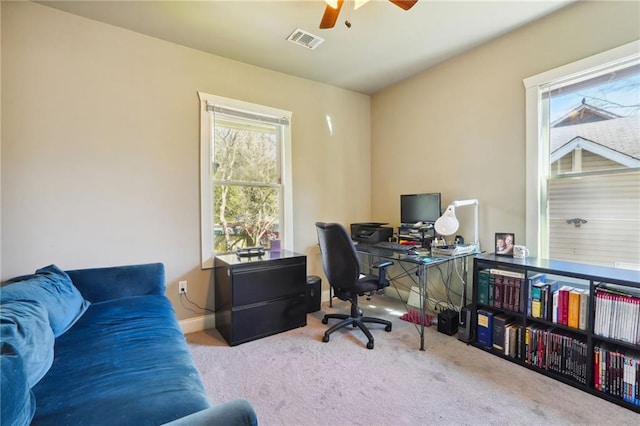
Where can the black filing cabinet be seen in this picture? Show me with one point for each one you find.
(259, 296)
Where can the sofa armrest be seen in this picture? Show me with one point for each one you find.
(238, 412)
(100, 284)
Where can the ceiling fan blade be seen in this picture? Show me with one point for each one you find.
(330, 16)
(404, 4)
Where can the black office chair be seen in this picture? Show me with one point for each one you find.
(342, 268)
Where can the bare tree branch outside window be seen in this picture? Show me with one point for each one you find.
(246, 184)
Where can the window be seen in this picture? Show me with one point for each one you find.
(583, 160)
(245, 175)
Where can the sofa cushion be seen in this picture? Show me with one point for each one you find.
(18, 403)
(125, 362)
(25, 326)
(114, 282)
(53, 288)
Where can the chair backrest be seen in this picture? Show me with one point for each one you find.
(339, 257)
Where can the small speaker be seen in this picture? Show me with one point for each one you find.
(466, 325)
(314, 293)
(448, 322)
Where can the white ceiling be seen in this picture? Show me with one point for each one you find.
(384, 45)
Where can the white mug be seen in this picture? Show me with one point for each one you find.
(520, 251)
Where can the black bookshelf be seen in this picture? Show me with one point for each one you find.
(544, 341)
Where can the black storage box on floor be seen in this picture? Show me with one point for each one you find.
(448, 322)
(314, 293)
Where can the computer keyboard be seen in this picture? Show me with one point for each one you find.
(393, 246)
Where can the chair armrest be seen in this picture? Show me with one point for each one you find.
(383, 264)
(238, 412)
(382, 272)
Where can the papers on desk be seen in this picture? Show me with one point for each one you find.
(453, 250)
(422, 252)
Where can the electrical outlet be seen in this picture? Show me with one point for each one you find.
(182, 287)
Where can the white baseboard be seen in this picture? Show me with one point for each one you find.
(192, 325)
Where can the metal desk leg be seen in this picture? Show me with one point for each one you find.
(422, 284)
(464, 281)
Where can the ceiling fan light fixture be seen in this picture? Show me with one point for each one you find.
(359, 3)
(331, 12)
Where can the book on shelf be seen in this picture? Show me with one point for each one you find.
(505, 289)
(491, 287)
(506, 273)
(483, 287)
(498, 289)
(566, 305)
(485, 328)
(512, 340)
(563, 304)
(550, 287)
(583, 316)
(500, 322)
(573, 310)
(617, 313)
(507, 340)
(554, 350)
(532, 281)
(541, 299)
(519, 342)
(532, 344)
(512, 294)
(616, 372)
(536, 300)
(518, 293)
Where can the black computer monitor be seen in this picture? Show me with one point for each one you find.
(420, 208)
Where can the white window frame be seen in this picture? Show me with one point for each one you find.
(537, 147)
(206, 183)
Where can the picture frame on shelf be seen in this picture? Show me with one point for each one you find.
(504, 243)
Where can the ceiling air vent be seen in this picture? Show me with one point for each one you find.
(305, 39)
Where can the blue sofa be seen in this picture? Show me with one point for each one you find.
(100, 347)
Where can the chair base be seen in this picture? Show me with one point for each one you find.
(355, 322)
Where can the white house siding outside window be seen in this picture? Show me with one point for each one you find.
(583, 160)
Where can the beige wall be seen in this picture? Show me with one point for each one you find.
(100, 138)
(100, 147)
(459, 128)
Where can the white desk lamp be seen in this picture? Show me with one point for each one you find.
(448, 224)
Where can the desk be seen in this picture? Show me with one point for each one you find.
(415, 267)
(260, 295)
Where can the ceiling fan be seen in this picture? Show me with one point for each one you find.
(332, 10)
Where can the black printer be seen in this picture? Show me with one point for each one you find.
(371, 232)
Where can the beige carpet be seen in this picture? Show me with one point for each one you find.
(293, 378)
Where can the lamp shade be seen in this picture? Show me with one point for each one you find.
(447, 224)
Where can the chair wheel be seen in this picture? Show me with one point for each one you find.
(325, 338)
(369, 345)
(325, 321)
(388, 328)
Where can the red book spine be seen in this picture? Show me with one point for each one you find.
(563, 306)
